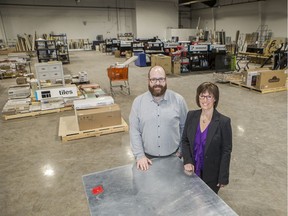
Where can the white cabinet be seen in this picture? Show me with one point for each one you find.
(49, 71)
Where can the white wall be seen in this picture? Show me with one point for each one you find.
(145, 19)
(183, 34)
(244, 17)
(65, 20)
(185, 19)
(153, 18)
(275, 16)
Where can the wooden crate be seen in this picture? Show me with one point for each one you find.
(69, 130)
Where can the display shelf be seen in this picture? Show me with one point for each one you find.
(137, 46)
(46, 50)
(124, 46)
(154, 48)
(125, 36)
(198, 61)
(111, 45)
(170, 47)
(62, 47)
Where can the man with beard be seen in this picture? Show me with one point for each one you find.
(157, 121)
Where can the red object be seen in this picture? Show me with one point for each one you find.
(117, 73)
(97, 190)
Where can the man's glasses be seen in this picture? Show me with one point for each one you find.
(208, 97)
(154, 80)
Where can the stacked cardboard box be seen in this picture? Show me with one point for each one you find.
(176, 67)
(163, 61)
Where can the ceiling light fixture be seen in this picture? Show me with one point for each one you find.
(192, 2)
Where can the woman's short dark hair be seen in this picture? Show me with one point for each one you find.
(211, 88)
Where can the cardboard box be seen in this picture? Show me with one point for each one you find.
(250, 78)
(128, 54)
(117, 53)
(163, 61)
(153, 60)
(271, 79)
(98, 117)
(177, 67)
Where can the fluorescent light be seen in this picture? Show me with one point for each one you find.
(192, 2)
(48, 170)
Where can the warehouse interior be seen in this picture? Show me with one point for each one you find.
(42, 162)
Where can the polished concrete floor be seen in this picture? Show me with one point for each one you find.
(40, 175)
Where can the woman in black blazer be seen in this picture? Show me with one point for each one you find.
(207, 139)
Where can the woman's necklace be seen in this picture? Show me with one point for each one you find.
(206, 116)
(204, 119)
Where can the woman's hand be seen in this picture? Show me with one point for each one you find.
(188, 169)
(220, 185)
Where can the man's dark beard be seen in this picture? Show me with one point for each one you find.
(156, 93)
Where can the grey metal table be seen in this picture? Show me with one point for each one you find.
(162, 190)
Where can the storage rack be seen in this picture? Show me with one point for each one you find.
(218, 58)
(108, 45)
(124, 46)
(154, 48)
(111, 45)
(198, 57)
(137, 46)
(46, 50)
(170, 47)
(62, 47)
(125, 37)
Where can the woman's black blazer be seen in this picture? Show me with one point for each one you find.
(218, 146)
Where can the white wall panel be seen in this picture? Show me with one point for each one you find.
(244, 17)
(153, 18)
(182, 34)
(76, 23)
(275, 16)
(144, 18)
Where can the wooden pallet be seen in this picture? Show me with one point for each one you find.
(263, 91)
(36, 113)
(69, 130)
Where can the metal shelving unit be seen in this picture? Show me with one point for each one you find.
(62, 47)
(46, 50)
